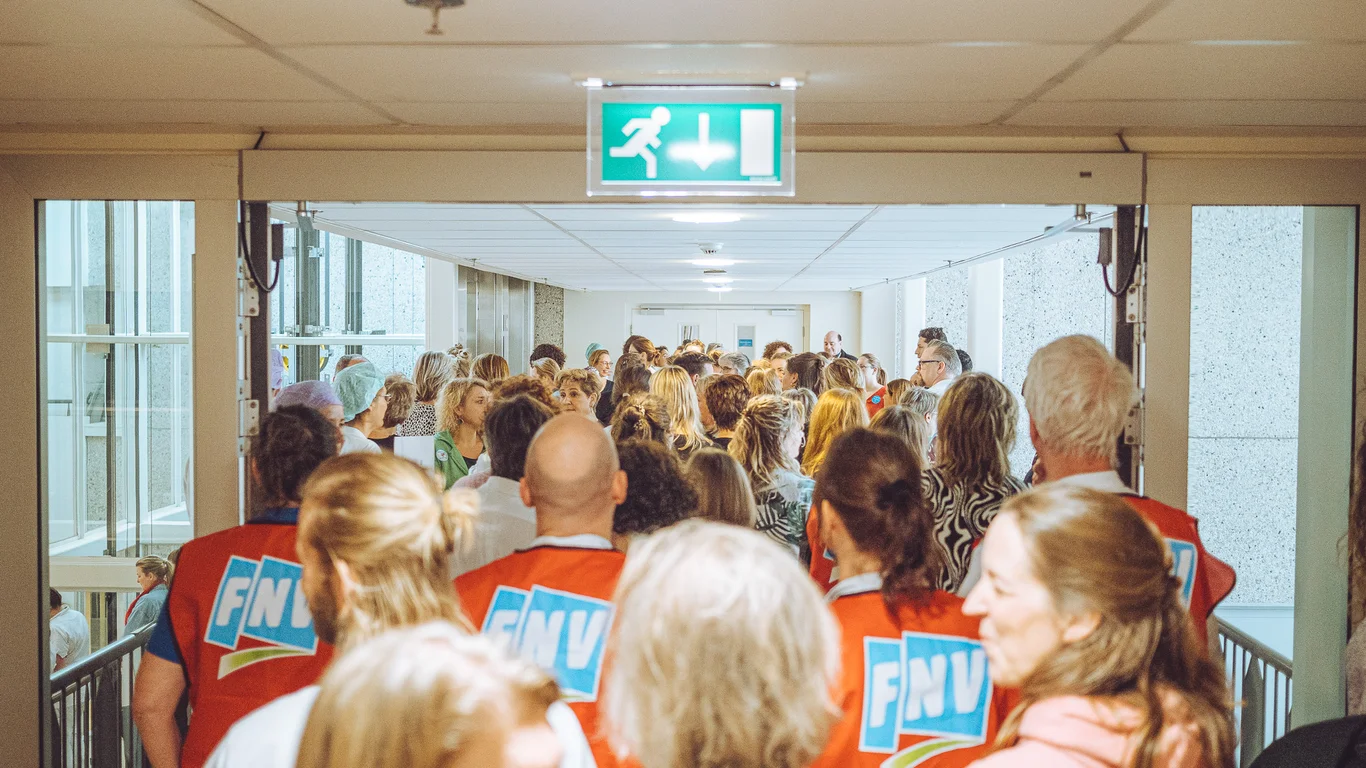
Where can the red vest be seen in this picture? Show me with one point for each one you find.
(1205, 579)
(914, 688)
(822, 560)
(242, 627)
(553, 605)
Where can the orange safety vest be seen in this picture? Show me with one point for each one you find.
(822, 560)
(1205, 579)
(914, 689)
(242, 627)
(553, 605)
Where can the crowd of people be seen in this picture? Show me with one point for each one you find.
(669, 558)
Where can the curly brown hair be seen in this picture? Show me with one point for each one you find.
(658, 494)
(726, 397)
(524, 384)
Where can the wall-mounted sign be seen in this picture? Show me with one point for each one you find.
(680, 141)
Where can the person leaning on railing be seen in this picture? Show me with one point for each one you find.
(154, 577)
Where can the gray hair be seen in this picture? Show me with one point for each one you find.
(1078, 396)
(946, 354)
(737, 360)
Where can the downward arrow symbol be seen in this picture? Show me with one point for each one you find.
(702, 152)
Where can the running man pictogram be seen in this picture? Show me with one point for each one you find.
(644, 135)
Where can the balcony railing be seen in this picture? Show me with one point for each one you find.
(92, 722)
(1259, 679)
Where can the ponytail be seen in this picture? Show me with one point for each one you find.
(872, 482)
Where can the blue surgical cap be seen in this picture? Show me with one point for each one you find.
(357, 387)
(594, 347)
(310, 394)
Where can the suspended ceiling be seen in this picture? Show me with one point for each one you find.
(640, 246)
(275, 65)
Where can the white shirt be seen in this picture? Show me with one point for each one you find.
(270, 736)
(1107, 481)
(855, 585)
(355, 441)
(940, 387)
(68, 637)
(577, 541)
(504, 526)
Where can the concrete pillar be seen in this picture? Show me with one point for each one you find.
(1167, 356)
(1327, 343)
(986, 315)
(443, 321)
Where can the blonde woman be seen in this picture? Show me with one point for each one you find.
(901, 422)
(154, 579)
(763, 381)
(547, 370)
(971, 477)
(376, 538)
(874, 382)
(430, 375)
(723, 490)
(674, 386)
(724, 653)
(477, 705)
(767, 440)
(842, 374)
(460, 427)
(491, 368)
(1081, 613)
(837, 411)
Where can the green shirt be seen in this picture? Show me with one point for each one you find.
(448, 460)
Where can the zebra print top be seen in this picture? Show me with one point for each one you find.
(961, 517)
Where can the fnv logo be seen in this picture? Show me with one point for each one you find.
(1184, 565)
(561, 632)
(263, 601)
(923, 685)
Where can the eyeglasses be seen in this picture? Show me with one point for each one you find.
(926, 362)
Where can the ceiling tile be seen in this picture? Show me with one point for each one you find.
(151, 73)
(539, 74)
(899, 113)
(682, 21)
(488, 112)
(1256, 20)
(1122, 114)
(109, 22)
(1203, 72)
(238, 113)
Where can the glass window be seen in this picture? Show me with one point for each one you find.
(117, 277)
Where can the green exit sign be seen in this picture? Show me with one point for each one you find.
(680, 141)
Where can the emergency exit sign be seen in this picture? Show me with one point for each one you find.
(681, 141)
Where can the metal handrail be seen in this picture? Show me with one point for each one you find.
(1259, 680)
(101, 658)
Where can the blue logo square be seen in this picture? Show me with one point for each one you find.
(1185, 564)
(946, 689)
(277, 612)
(230, 604)
(566, 634)
(883, 667)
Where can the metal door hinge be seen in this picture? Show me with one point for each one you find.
(1133, 424)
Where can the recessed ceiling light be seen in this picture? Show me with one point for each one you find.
(718, 280)
(719, 289)
(713, 262)
(706, 217)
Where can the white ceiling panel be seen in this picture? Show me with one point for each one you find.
(1121, 114)
(108, 22)
(240, 113)
(346, 21)
(639, 246)
(900, 113)
(148, 73)
(1211, 72)
(1256, 20)
(488, 112)
(534, 74)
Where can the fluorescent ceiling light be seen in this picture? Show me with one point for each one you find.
(719, 289)
(718, 280)
(712, 262)
(706, 217)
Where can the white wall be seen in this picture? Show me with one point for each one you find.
(878, 324)
(605, 316)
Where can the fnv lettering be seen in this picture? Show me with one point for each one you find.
(262, 600)
(561, 632)
(1185, 562)
(924, 685)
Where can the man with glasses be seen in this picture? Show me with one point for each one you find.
(939, 366)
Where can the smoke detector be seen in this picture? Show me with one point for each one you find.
(707, 257)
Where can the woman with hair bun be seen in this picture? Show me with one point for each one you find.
(767, 440)
(1081, 612)
(893, 620)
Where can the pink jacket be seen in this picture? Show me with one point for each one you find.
(1082, 732)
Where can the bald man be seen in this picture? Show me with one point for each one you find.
(834, 346)
(551, 602)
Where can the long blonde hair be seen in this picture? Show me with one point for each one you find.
(1095, 554)
(390, 523)
(430, 374)
(716, 624)
(421, 698)
(547, 369)
(453, 396)
(977, 417)
(759, 435)
(460, 361)
(723, 490)
(674, 386)
(842, 374)
(763, 381)
(837, 411)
